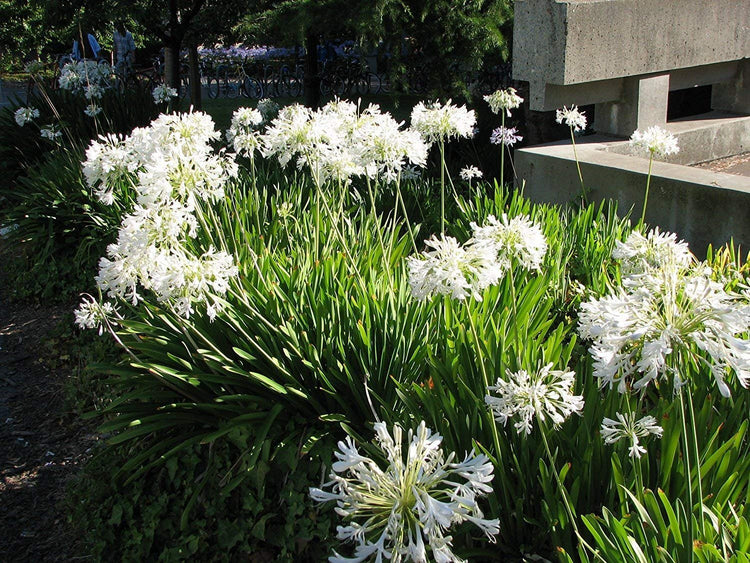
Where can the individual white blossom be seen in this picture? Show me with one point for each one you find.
(470, 172)
(572, 117)
(92, 314)
(544, 394)
(52, 133)
(26, 115)
(163, 94)
(501, 100)
(654, 141)
(436, 121)
(268, 109)
(402, 512)
(505, 136)
(452, 269)
(512, 240)
(92, 110)
(628, 427)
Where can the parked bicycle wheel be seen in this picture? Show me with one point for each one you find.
(252, 88)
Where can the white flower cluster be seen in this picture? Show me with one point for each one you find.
(91, 314)
(654, 141)
(506, 100)
(82, 75)
(572, 117)
(403, 512)
(666, 309)
(505, 136)
(436, 122)
(163, 94)
(628, 427)
(452, 269)
(513, 240)
(338, 142)
(463, 271)
(470, 172)
(544, 394)
(268, 109)
(26, 115)
(51, 133)
(244, 133)
(172, 168)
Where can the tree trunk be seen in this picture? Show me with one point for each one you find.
(172, 64)
(195, 78)
(312, 75)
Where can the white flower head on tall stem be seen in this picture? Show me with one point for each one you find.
(512, 240)
(403, 511)
(654, 142)
(92, 110)
(51, 132)
(451, 269)
(628, 427)
(505, 136)
(92, 314)
(436, 121)
(650, 330)
(506, 100)
(573, 118)
(470, 172)
(544, 394)
(25, 115)
(163, 94)
(644, 255)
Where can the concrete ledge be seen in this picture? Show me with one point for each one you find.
(701, 206)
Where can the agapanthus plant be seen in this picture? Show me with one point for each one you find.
(163, 94)
(172, 169)
(666, 314)
(504, 100)
(540, 395)
(654, 142)
(25, 115)
(629, 427)
(403, 511)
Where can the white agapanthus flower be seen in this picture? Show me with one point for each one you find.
(163, 94)
(436, 121)
(92, 110)
(85, 75)
(470, 172)
(505, 136)
(513, 240)
(654, 141)
(52, 133)
(452, 269)
(643, 255)
(339, 142)
(403, 511)
(268, 109)
(665, 310)
(628, 427)
(173, 169)
(506, 100)
(572, 117)
(546, 394)
(92, 314)
(93, 92)
(26, 115)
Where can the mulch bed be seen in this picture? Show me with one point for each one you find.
(42, 444)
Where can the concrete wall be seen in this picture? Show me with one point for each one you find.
(568, 42)
(699, 205)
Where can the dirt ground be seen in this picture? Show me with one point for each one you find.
(41, 444)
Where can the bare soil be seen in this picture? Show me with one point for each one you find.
(42, 443)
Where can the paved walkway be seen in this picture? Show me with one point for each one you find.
(739, 164)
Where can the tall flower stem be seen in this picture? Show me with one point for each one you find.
(648, 184)
(578, 166)
(485, 377)
(441, 144)
(400, 198)
(502, 152)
